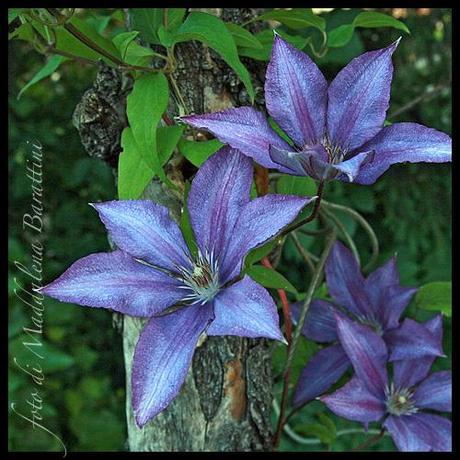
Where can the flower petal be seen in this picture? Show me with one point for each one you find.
(393, 301)
(116, 281)
(162, 358)
(435, 392)
(359, 97)
(404, 142)
(144, 230)
(247, 310)
(354, 402)
(321, 372)
(296, 93)
(347, 170)
(420, 432)
(366, 351)
(260, 220)
(411, 340)
(217, 195)
(384, 276)
(319, 322)
(407, 373)
(244, 129)
(388, 297)
(345, 281)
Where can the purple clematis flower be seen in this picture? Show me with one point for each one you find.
(337, 130)
(154, 270)
(370, 396)
(376, 302)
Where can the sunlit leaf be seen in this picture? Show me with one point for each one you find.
(435, 296)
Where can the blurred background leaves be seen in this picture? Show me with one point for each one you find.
(409, 208)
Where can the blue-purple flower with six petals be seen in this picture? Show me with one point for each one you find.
(154, 270)
(399, 403)
(336, 130)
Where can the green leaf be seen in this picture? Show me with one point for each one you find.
(266, 38)
(316, 429)
(13, 13)
(53, 63)
(243, 37)
(147, 21)
(185, 224)
(145, 106)
(175, 17)
(167, 139)
(259, 253)
(134, 174)
(211, 31)
(296, 18)
(435, 296)
(340, 36)
(279, 131)
(198, 152)
(95, 36)
(329, 424)
(371, 19)
(296, 185)
(65, 41)
(132, 53)
(123, 40)
(270, 278)
(23, 32)
(165, 36)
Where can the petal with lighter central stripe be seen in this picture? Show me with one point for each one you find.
(116, 281)
(162, 358)
(245, 309)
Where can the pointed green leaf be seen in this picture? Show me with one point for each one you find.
(123, 40)
(51, 66)
(243, 37)
(266, 38)
(435, 296)
(175, 17)
(296, 18)
(147, 21)
(134, 174)
(145, 106)
(340, 36)
(270, 278)
(371, 19)
(211, 31)
(198, 152)
(259, 253)
(167, 139)
(185, 224)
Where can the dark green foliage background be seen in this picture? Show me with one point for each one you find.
(410, 209)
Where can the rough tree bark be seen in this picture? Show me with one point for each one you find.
(225, 402)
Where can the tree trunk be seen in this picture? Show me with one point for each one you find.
(225, 403)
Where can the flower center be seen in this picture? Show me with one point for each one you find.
(399, 401)
(202, 280)
(335, 153)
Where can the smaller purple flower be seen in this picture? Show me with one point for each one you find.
(376, 302)
(399, 404)
(336, 130)
(153, 270)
